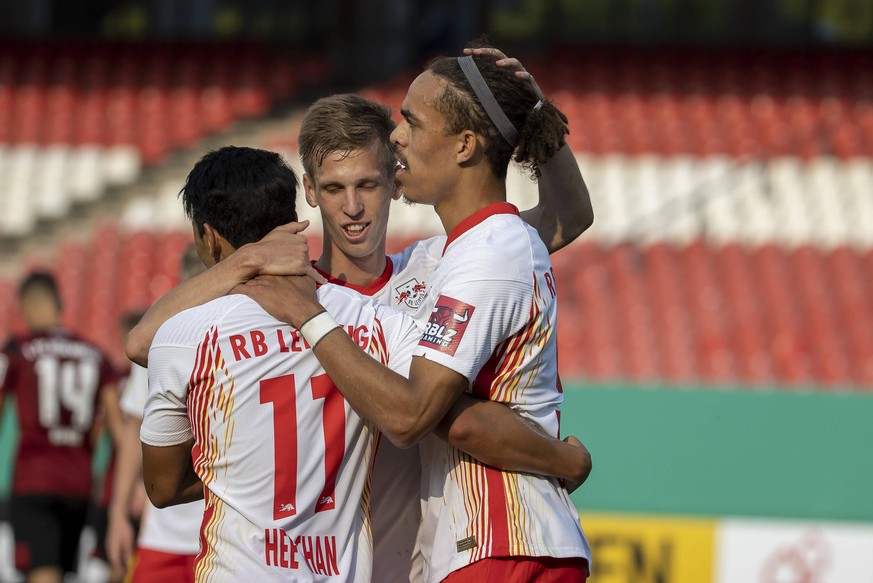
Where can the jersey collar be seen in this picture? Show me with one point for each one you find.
(367, 290)
(495, 208)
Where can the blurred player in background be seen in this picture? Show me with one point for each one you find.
(491, 330)
(60, 383)
(168, 541)
(102, 569)
(283, 459)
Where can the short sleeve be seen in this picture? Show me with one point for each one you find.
(470, 319)
(401, 338)
(165, 419)
(136, 391)
(171, 361)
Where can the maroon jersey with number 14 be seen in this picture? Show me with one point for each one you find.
(55, 378)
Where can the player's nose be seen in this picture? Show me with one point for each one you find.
(398, 136)
(353, 204)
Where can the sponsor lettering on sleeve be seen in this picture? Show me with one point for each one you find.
(446, 325)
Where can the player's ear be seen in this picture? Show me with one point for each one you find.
(469, 149)
(212, 239)
(309, 191)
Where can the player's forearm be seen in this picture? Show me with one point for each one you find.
(564, 210)
(128, 467)
(405, 415)
(497, 436)
(207, 286)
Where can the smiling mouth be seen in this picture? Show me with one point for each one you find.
(355, 230)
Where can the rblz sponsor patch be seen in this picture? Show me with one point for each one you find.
(446, 325)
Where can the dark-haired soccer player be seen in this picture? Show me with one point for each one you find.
(492, 301)
(281, 457)
(59, 381)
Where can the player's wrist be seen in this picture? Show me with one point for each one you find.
(316, 327)
(246, 263)
(116, 514)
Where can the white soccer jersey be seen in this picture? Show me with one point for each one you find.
(282, 456)
(175, 529)
(493, 319)
(395, 502)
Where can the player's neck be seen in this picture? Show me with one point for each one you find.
(473, 192)
(359, 271)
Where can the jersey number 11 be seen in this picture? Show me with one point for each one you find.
(282, 393)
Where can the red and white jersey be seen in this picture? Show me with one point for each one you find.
(56, 379)
(395, 502)
(493, 319)
(175, 529)
(282, 456)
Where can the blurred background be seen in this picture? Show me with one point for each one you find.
(716, 322)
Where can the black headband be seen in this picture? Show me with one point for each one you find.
(486, 98)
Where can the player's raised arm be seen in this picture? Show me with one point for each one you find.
(283, 251)
(496, 435)
(564, 209)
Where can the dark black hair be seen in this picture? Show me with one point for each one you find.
(244, 193)
(40, 280)
(541, 129)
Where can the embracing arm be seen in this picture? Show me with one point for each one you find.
(209, 285)
(168, 474)
(404, 409)
(497, 436)
(283, 251)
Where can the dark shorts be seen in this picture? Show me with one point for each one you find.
(47, 530)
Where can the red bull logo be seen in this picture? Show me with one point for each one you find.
(446, 325)
(411, 292)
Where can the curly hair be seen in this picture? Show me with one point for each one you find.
(541, 130)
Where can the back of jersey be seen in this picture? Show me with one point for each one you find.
(284, 459)
(55, 377)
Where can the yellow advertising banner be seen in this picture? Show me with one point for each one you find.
(642, 549)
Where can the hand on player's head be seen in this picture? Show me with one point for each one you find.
(283, 251)
(508, 63)
(281, 296)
